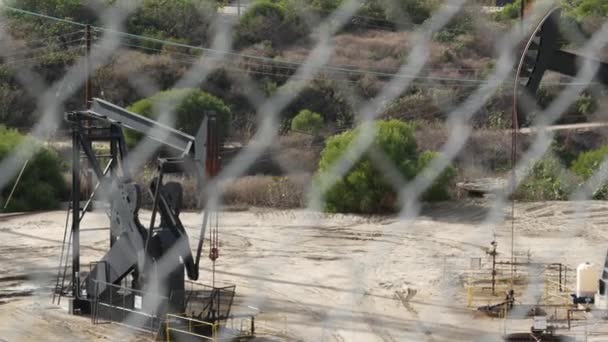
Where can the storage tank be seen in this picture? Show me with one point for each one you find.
(586, 280)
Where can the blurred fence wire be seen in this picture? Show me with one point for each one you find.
(247, 69)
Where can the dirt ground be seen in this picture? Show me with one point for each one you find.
(316, 277)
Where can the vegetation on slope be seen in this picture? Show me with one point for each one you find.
(365, 188)
(42, 185)
(375, 43)
(191, 106)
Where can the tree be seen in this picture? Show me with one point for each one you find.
(510, 11)
(595, 8)
(307, 121)
(42, 185)
(586, 164)
(182, 20)
(273, 21)
(546, 180)
(190, 106)
(365, 188)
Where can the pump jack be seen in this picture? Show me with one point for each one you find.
(151, 261)
(542, 54)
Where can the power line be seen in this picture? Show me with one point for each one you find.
(291, 66)
(18, 61)
(276, 63)
(235, 67)
(265, 59)
(40, 15)
(26, 51)
(294, 64)
(48, 38)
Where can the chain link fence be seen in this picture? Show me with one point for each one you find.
(453, 64)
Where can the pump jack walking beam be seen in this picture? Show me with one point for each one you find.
(542, 54)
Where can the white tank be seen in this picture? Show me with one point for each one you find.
(586, 280)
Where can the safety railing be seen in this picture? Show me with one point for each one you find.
(239, 326)
(124, 305)
(233, 328)
(177, 326)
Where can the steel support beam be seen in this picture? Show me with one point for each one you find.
(76, 210)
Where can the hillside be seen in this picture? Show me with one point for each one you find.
(163, 43)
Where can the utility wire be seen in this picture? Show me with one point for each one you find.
(40, 15)
(18, 61)
(230, 53)
(48, 38)
(276, 63)
(26, 51)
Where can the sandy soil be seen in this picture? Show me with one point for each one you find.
(315, 277)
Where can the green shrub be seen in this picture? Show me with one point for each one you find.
(76, 10)
(461, 24)
(417, 11)
(307, 122)
(509, 12)
(321, 96)
(31, 28)
(325, 6)
(187, 20)
(440, 189)
(189, 112)
(182, 20)
(499, 120)
(585, 105)
(418, 105)
(590, 8)
(16, 106)
(41, 186)
(546, 181)
(586, 164)
(266, 20)
(364, 189)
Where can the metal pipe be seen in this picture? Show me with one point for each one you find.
(88, 91)
(8, 200)
(65, 234)
(75, 210)
(522, 12)
(560, 277)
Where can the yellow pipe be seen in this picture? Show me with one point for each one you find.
(167, 330)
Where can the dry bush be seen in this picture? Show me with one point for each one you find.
(486, 152)
(374, 49)
(298, 160)
(116, 81)
(296, 140)
(298, 152)
(144, 179)
(266, 191)
(294, 153)
(418, 106)
(386, 51)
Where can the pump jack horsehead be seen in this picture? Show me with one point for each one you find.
(542, 54)
(150, 259)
